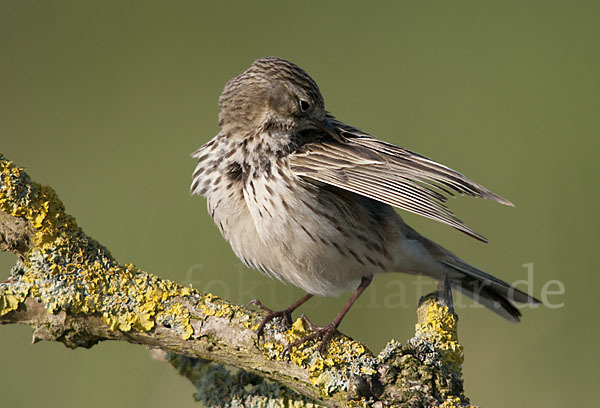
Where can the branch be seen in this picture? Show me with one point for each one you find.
(70, 289)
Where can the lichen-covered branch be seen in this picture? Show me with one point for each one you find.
(70, 289)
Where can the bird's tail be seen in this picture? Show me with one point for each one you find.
(491, 292)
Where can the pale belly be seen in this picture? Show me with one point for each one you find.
(318, 239)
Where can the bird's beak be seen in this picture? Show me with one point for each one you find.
(326, 126)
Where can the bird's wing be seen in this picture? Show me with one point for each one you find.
(357, 162)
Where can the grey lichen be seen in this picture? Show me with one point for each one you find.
(227, 387)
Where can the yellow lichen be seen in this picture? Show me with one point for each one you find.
(437, 324)
(8, 303)
(330, 371)
(213, 305)
(323, 372)
(273, 351)
(298, 330)
(454, 402)
(362, 403)
(68, 270)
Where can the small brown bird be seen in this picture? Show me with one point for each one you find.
(307, 199)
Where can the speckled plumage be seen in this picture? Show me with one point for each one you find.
(307, 199)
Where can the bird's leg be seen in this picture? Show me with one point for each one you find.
(445, 292)
(327, 332)
(285, 314)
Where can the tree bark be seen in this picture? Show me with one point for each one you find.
(70, 289)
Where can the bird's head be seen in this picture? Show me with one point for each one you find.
(272, 94)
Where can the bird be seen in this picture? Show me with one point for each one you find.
(308, 200)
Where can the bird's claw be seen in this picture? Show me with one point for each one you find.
(324, 333)
(285, 315)
(258, 303)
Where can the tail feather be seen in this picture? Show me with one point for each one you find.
(491, 292)
(488, 280)
(488, 298)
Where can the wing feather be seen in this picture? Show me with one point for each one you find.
(359, 163)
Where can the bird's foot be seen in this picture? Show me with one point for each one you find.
(324, 333)
(285, 315)
(444, 291)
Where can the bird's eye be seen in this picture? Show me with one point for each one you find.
(304, 106)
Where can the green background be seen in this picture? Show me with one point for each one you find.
(105, 101)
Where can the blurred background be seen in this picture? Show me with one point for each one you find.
(105, 101)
